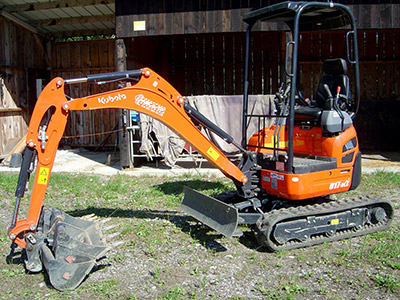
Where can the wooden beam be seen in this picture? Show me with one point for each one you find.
(124, 140)
(18, 21)
(82, 70)
(61, 34)
(55, 4)
(42, 49)
(11, 110)
(74, 20)
(18, 148)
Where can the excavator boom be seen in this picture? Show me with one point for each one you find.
(148, 93)
(151, 95)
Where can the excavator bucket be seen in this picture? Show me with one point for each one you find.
(210, 211)
(66, 246)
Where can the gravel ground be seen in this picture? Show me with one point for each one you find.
(194, 262)
(164, 254)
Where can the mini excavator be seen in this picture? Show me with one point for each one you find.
(283, 182)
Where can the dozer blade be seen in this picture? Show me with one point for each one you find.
(69, 248)
(210, 211)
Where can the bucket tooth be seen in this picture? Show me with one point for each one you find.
(210, 211)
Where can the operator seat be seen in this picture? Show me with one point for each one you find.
(335, 70)
(335, 116)
(335, 75)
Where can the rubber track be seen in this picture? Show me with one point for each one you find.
(267, 223)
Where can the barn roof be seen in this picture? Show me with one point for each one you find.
(64, 18)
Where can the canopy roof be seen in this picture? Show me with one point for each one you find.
(314, 15)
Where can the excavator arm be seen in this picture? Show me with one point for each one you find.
(150, 94)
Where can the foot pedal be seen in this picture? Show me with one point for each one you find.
(210, 211)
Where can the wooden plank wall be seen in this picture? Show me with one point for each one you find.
(213, 63)
(198, 46)
(77, 59)
(175, 23)
(379, 55)
(378, 14)
(199, 64)
(171, 17)
(23, 59)
(209, 64)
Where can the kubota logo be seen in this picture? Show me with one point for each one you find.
(150, 105)
(111, 99)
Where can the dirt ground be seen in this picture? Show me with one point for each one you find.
(163, 254)
(381, 160)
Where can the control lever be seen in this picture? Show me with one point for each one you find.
(338, 89)
(336, 105)
(330, 97)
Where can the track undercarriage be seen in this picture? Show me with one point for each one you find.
(302, 226)
(282, 225)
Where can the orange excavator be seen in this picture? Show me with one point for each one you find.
(284, 179)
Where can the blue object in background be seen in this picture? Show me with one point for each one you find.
(135, 117)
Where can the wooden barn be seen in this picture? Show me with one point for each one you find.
(198, 46)
(40, 40)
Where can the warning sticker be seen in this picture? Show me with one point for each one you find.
(43, 175)
(277, 176)
(266, 178)
(213, 153)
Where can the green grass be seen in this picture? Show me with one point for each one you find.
(285, 289)
(381, 248)
(8, 182)
(174, 293)
(83, 192)
(388, 282)
(373, 184)
(145, 212)
(382, 179)
(79, 192)
(107, 288)
(72, 191)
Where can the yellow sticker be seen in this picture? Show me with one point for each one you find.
(43, 175)
(213, 153)
(139, 25)
(281, 145)
(334, 221)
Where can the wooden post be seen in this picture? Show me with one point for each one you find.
(123, 136)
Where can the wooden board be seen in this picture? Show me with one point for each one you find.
(184, 17)
(22, 61)
(78, 59)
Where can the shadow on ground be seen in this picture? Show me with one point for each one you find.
(177, 187)
(204, 235)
